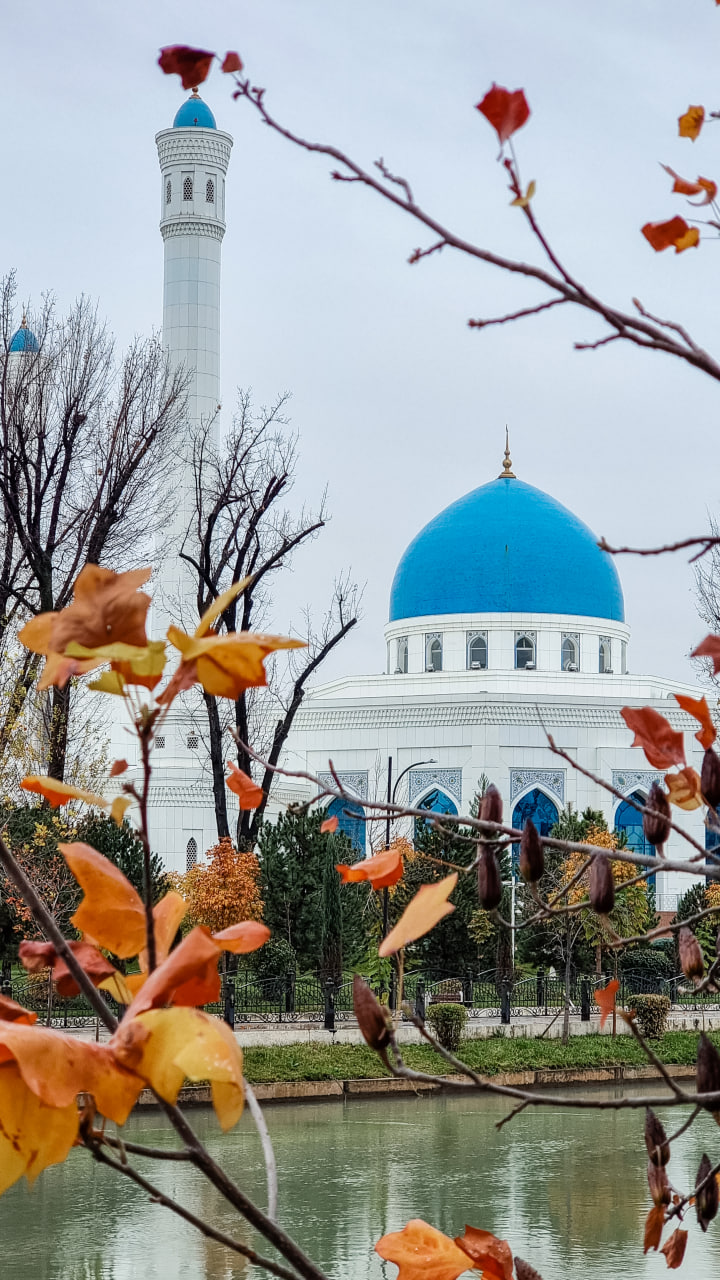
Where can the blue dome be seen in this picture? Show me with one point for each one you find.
(24, 340)
(196, 113)
(506, 548)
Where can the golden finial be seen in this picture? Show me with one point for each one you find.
(23, 322)
(507, 472)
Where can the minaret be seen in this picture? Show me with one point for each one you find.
(194, 157)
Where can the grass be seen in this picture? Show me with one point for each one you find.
(319, 1061)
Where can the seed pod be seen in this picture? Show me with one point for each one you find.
(372, 1018)
(488, 880)
(602, 889)
(657, 830)
(491, 806)
(658, 1147)
(658, 1183)
(532, 860)
(707, 1070)
(524, 1271)
(706, 1200)
(691, 956)
(710, 778)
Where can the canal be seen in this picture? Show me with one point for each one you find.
(567, 1189)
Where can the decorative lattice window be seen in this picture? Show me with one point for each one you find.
(168, 191)
(193, 742)
(187, 189)
(525, 650)
(191, 852)
(433, 651)
(160, 742)
(402, 656)
(570, 652)
(210, 191)
(477, 650)
(605, 656)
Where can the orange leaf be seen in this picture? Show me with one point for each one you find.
(429, 905)
(168, 915)
(57, 793)
(700, 711)
(36, 956)
(111, 912)
(244, 937)
(188, 976)
(118, 766)
(10, 1011)
(32, 1134)
(233, 62)
(653, 1227)
(674, 1248)
(57, 1067)
(329, 826)
(421, 1252)
(226, 665)
(663, 235)
(681, 185)
(684, 789)
(490, 1255)
(605, 1000)
(250, 795)
(383, 870)
(663, 746)
(106, 608)
(709, 648)
(690, 124)
(192, 65)
(506, 111)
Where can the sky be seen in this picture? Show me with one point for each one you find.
(400, 408)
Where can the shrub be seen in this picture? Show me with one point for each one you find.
(274, 959)
(449, 991)
(652, 1012)
(448, 1021)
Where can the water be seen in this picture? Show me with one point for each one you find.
(566, 1188)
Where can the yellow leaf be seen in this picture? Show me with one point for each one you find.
(226, 665)
(117, 986)
(108, 682)
(32, 1135)
(118, 807)
(57, 793)
(522, 202)
(220, 605)
(428, 906)
(684, 788)
(168, 915)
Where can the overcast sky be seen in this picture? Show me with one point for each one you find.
(399, 406)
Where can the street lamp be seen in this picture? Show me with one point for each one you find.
(391, 793)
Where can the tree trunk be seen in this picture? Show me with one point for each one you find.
(598, 957)
(59, 731)
(217, 765)
(566, 1013)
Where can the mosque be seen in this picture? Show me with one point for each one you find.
(505, 620)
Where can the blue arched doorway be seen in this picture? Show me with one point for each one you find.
(629, 820)
(351, 821)
(540, 809)
(437, 801)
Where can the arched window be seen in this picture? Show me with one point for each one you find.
(524, 649)
(540, 809)
(712, 845)
(629, 820)
(605, 655)
(351, 821)
(210, 191)
(438, 802)
(433, 651)
(402, 655)
(570, 653)
(168, 191)
(191, 852)
(187, 189)
(477, 650)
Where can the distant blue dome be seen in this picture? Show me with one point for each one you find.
(506, 548)
(24, 340)
(194, 112)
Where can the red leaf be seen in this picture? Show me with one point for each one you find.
(232, 62)
(490, 1255)
(506, 111)
(192, 65)
(329, 825)
(118, 766)
(653, 1227)
(663, 235)
(36, 956)
(663, 745)
(674, 1248)
(709, 648)
(605, 1000)
(10, 1011)
(249, 794)
(700, 711)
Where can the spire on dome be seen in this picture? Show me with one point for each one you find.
(507, 472)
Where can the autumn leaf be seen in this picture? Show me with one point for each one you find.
(11, 1011)
(684, 788)
(242, 938)
(168, 915)
(118, 766)
(57, 1066)
(382, 870)
(232, 62)
(489, 1254)
(249, 794)
(709, 648)
(221, 602)
(663, 745)
(506, 111)
(329, 826)
(374, 1021)
(704, 187)
(32, 1134)
(653, 1227)
(112, 911)
(429, 905)
(189, 975)
(605, 1000)
(192, 65)
(131, 664)
(674, 1248)
(106, 608)
(36, 956)
(690, 124)
(675, 232)
(226, 665)
(421, 1252)
(57, 793)
(522, 202)
(700, 711)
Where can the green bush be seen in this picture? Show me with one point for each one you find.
(274, 959)
(448, 1021)
(652, 1012)
(650, 962)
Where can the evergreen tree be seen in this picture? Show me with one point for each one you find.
(332, 922)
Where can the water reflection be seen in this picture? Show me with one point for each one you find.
(567, 1189)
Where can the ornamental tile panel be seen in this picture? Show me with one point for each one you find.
(448, 780)
(629, 779)
(549, 779)
(356, 783)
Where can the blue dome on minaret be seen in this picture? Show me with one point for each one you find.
(194, 114)
(24, 340)
(506, 548)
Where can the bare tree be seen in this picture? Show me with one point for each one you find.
(243, 527)
(84, 465)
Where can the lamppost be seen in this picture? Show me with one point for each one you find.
(391, 793)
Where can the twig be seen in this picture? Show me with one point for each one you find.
(267, 1149)
(705, 543)
(518, 315)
